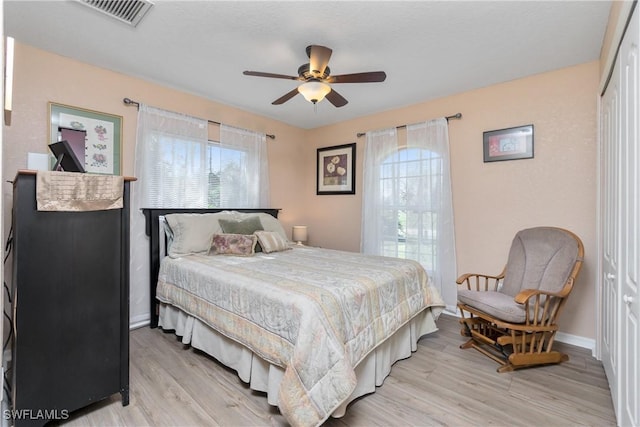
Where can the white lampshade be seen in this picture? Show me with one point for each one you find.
(314, 91)
(299, 233)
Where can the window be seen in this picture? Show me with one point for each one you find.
(179, 168)
(407, 208)
(176, 175)
(410, 179)
(225, 171)
(199, 175)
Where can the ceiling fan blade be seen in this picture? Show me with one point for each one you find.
(369, 77)
(336, 99)
(318, 58)
(284, 98)
(272, 75)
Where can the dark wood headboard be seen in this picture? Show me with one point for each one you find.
(152, 229)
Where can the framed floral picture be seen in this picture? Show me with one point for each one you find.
(95, 137)
(336, 170)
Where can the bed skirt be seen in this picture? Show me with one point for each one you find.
(265, 377)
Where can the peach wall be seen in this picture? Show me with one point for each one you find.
(42, 77)
(494, 200)
(491, 201)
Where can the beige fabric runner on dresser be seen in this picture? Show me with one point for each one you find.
(72, 191)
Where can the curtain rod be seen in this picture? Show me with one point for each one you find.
(130, 101)
(455, 116)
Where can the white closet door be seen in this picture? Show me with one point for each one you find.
(610, 212)
(620, 228)
(629, 374)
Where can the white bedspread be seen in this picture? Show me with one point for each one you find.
(314, 312)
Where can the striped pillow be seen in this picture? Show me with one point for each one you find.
(271, 241)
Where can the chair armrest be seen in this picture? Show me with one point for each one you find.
(543, 307)
(480, 282)
(468, 276)
(525, 294)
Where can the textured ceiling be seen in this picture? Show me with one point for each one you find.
(428, 49)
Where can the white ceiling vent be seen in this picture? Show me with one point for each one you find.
(128, 11)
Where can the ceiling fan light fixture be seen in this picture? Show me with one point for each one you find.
(315, 78)
(314, 91)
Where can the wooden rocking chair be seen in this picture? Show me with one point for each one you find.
(512, 317)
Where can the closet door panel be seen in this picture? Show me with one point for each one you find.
(610, 228)
(629, 413)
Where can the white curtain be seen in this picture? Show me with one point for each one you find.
(170, 165)
(171, 159)
(244, 177)
(378, 146)
(407, 203)
(433, 136)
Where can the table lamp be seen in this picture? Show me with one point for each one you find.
(299, 234)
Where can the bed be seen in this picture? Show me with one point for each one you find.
(312, 328)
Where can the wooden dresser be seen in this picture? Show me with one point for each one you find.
(70, 306)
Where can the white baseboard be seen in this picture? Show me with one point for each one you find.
(139, 321)
(576, 340)
(451, 311)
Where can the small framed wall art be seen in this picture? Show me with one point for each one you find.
(336, 170)
(95, 137)
(508, 144)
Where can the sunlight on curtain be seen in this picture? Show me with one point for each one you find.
(170, 164)
(407, 209)
(431, 215)
(375, 223)
(171, 159)
(244, 168)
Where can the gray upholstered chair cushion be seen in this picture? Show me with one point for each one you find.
(540, 258)
(494, 303)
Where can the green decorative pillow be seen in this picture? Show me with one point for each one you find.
(233, 244)
(245, 226)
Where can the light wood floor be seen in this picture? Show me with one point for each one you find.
(440, 385)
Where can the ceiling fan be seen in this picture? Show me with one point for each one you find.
(316, 77)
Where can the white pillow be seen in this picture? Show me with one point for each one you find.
(191, 233)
